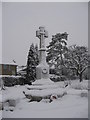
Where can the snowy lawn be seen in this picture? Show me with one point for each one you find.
(71, 105)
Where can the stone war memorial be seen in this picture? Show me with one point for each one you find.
(42, 70)
(43, 88)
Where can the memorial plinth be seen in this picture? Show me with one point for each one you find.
(42, 70)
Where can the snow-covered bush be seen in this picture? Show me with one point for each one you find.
(84, 94)
(10, 104)
(80, 85)
(12, 80)
(57, 78)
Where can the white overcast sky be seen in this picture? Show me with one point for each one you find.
(21, 20)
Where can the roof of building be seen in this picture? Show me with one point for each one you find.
(7, 63)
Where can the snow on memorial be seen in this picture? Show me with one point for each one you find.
(42, 70)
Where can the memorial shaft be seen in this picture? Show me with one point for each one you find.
(42, 70)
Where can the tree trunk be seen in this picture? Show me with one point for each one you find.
(80, 77)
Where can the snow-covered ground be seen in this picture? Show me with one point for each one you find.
(71, 105)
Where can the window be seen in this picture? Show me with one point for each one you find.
(5, 67)
(9, 67)
(13, 72)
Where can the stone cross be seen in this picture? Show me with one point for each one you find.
(42, 34)
(42, 70)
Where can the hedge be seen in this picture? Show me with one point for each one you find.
(13, 80)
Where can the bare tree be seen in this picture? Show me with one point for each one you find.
(77, 59)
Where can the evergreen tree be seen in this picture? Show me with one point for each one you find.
(56, 49)
(32, 62)
(31, 65)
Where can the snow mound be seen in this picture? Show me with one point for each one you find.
(71, 105)
(13, 93)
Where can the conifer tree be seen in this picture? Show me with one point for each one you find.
(32, 62)
(56, 49)
(31, 65)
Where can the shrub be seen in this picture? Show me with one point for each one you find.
(57, 78)
(84, 94)
(13, 80)
(80, 86)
